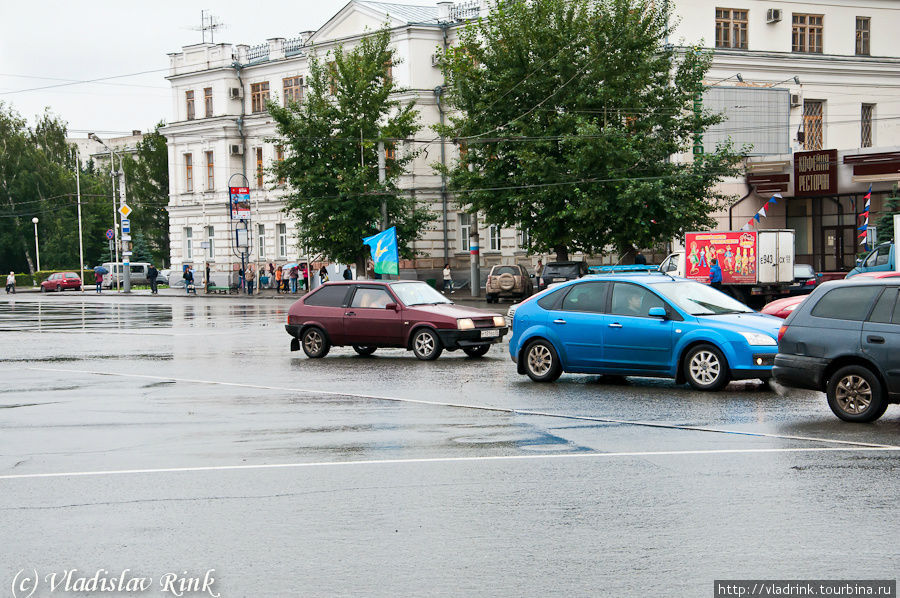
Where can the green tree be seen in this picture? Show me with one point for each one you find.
(147, 192)
(886, 222)
(569, 112)
(331, 153)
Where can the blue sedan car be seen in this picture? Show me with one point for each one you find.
(651, 325)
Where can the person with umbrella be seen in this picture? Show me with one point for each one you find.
(99, 271)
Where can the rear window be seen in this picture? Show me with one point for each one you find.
(804, 271)
(885, 311)
(560, 271)
(847, 303)
(328, 296)
(506, 270)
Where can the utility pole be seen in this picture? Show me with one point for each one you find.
(80, 239)
(381, 179)
(474, 256)
(112, 179)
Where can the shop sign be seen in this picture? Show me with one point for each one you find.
(815, 173)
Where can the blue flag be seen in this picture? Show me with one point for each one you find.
(385, 253)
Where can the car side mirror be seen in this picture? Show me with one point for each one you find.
(392, 306)
(658, 312)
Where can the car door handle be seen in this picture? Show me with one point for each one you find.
(350, 313)
(615, 325)
(876, 340)
(559, 321)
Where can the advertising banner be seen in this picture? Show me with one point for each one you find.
(240, 202)
(735, 250)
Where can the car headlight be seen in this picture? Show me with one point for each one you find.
(465, 324)
(757, 338)
(499, 321)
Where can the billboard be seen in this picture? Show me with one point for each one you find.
(240, 202)
(735, 250)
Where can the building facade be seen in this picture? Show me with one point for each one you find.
(791, 78)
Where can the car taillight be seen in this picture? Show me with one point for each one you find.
(811, 282)
(781, 331)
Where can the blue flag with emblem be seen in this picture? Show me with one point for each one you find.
(385, 253)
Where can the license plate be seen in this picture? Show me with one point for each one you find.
(559, 280)
(490, 333)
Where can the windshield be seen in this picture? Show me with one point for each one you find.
(418, 293)
(700, 300)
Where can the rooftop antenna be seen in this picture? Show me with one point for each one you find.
(208, 22)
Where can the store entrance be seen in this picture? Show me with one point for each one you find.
(839, 249)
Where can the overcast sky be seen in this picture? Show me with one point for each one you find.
(48, 42)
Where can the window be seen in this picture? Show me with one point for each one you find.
(884, 311)
(371, 298)
(524, 238)
(812, 124)
(259, 95)
(863, 32)
(731, 28)
(189, 173)
(293, 90)
(329, 296)
(494, 236)
(211, 240)
(879, 257)
(865, 125)
(279, 157)
(633, 300)
(807, 33)
(207, 101)
(189, 98)
(550, 301)
(259, 168)
(465, 229)
(261, 239)
(282, 240)
(587, 297)
(847, 303)
(188, 243)
(210, 179)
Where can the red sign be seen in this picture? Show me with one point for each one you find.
(240, 202)
(735, 250)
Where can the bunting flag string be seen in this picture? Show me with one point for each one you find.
(864, 235)
(763, 211)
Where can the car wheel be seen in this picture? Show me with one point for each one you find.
(542, 362)
(58, 289)
(476, 351)
(364, 351)
(426, 345)
(855, 394)
(314, 342)
(705, 368)
(43, 289)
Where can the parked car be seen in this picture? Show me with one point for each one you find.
(555, 272)
(508, 281)
(782, 308)
(880, 259)
(884, 274)
(845, 340)
(61, 281)
(805, 280)
(371, 314)
(642, 325)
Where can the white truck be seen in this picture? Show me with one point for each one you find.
(757, 266)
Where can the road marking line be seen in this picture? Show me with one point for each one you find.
(830, 449)
(477, 407)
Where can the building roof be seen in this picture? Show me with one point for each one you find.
(404, 12)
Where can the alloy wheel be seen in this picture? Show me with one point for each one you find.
(853, 394)
(540, 360)
(705, 367)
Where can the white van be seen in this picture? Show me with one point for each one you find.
(138, 274)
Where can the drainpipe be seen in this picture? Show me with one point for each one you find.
(240, 121)
(438, 92)
(731, 208)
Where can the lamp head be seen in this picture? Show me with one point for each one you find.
(740, 78)
(796, 79)
(35, 219)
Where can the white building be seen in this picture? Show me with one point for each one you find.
(827, 68)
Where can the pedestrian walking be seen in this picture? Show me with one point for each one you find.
(448, 279)
(348, 275)
(251, 279)
(323, 275)
(539, 269)
(279, 274)
(189, 281)
(98, 278)
(293, 276)
(11, 283)
(241, 278)
(152, 275)
(715, 275)
(271, 275)
(208, 283)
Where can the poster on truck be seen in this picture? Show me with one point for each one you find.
(735, 250)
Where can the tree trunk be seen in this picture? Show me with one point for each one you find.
(562, 253)
(361, 259)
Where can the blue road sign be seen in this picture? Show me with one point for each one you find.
(126, 225)
(110, 234)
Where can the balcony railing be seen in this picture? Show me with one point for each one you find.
(293, 46)
(465, 10)
(258, 53)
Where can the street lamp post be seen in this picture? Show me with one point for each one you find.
(37, 248)
(126, 272)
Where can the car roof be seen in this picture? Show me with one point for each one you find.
(644, 277)
(856, 280)
(364, 281)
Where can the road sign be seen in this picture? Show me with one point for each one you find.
(126, 253)
(126, 225)
(125, 210)
(110, 234)
(126, 237)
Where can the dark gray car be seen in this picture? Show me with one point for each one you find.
(845, 340)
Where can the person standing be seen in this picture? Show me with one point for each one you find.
(348, 275)
(715, 275)
(323, 275)
(639, 259)
(448, 279)
(539, 269)
(189, 281)
(11, 283)
(294, 275)
(278, 276)
(98, 278)
(152, 275)
(271, 274)
(251, 279)
(208, 281)
(304, 277)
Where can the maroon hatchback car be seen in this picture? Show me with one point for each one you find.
(400, 313)
(61, 281)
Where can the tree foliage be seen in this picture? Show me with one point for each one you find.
(147, 192)
(890, 207)
(568, 115)
(330, 142)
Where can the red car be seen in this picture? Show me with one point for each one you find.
(368, 314)
(61, 281)
(782, 308)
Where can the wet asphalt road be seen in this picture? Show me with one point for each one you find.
(181, 435)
